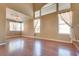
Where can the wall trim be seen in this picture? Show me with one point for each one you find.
(12, 36)
(75, 40)
(43, 38)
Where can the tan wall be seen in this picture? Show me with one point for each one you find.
(2, 22)
(26, 9)
(75, 9)
(28, 28)
(49, 28)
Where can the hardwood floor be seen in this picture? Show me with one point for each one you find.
(37, 47)
(76, 44)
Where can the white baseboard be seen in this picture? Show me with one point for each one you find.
(49, 39)
(12, 36)
(3, 42)
(76, 40)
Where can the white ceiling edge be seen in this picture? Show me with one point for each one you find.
(11, 14)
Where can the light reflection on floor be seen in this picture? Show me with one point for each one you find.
(16, 45)
(37, 48)
(77, 53)
(64, 52)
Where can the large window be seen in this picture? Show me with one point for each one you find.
(48, 9)
(15, 26)
(37, 25)
(63, 27)
(37, 22)
(64, 24)
(51, 8)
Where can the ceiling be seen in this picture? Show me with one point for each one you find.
(25, 8)
(22, 10)
(37, 6)
(14, 15)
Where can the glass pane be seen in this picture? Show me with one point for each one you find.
(37, 25)
(47, 5)
(63, 6)
(37, 14)
(11, 26)
(15, 26)
(60, 19)
(67, 17)
(48, 9)
(22, 26)
(18, 27)
(64, 29)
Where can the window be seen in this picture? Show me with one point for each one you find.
(37, 25)
(15, 26)
(37, 13)
(37, 22)
(22, 24)
(63, 27)
(63, 6)
(48, 8)
(67, 17)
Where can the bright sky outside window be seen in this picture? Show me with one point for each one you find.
(37, 14)
(63, 6)
(67, 17)
(37, 25)
(63, 27)
(47, 5)
(48, 8)
(15, 26)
